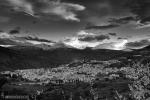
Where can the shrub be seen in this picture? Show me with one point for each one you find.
(140, 88)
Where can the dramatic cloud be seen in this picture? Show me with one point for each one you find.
(103, 8)
(102, 27)
(7, 39)
(141, 8)
(143, 25)
(16, 30)
(65, 10)
(5, 35)
(40, 8)
(122, 20)
(22, 6)
(36, 39)
(90, 37)
(120, 45)
(48, 18)
(94, 38)
(84, 39)
(122, 12)
(113, 34)
(74, 42)
(120, 38)
(138, 44)
(145, 20)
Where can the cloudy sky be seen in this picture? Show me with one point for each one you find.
(59, 19)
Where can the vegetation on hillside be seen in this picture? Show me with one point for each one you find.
(94, 80)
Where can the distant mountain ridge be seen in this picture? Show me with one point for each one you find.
(23, 57)
(27, 57)
(33, 52)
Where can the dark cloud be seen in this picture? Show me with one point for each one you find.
(120, 38)
(138, 11)
(38, 12)
(133, 10)
(103, 7)
(141, 8)
(113, 34)
(103, 27)
(145, 20)
(1, 31)
(138, 44)
(90, 38)
(16, 30)
(122, 20)
(36, 39)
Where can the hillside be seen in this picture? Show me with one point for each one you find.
(31, 57)
(26, 57)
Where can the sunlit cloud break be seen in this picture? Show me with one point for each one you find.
(121, 45)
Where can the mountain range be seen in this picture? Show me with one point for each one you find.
(26, 57)
(32, 52)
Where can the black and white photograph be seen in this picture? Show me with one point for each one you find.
(74, 49)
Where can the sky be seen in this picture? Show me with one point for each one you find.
(99, 20)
